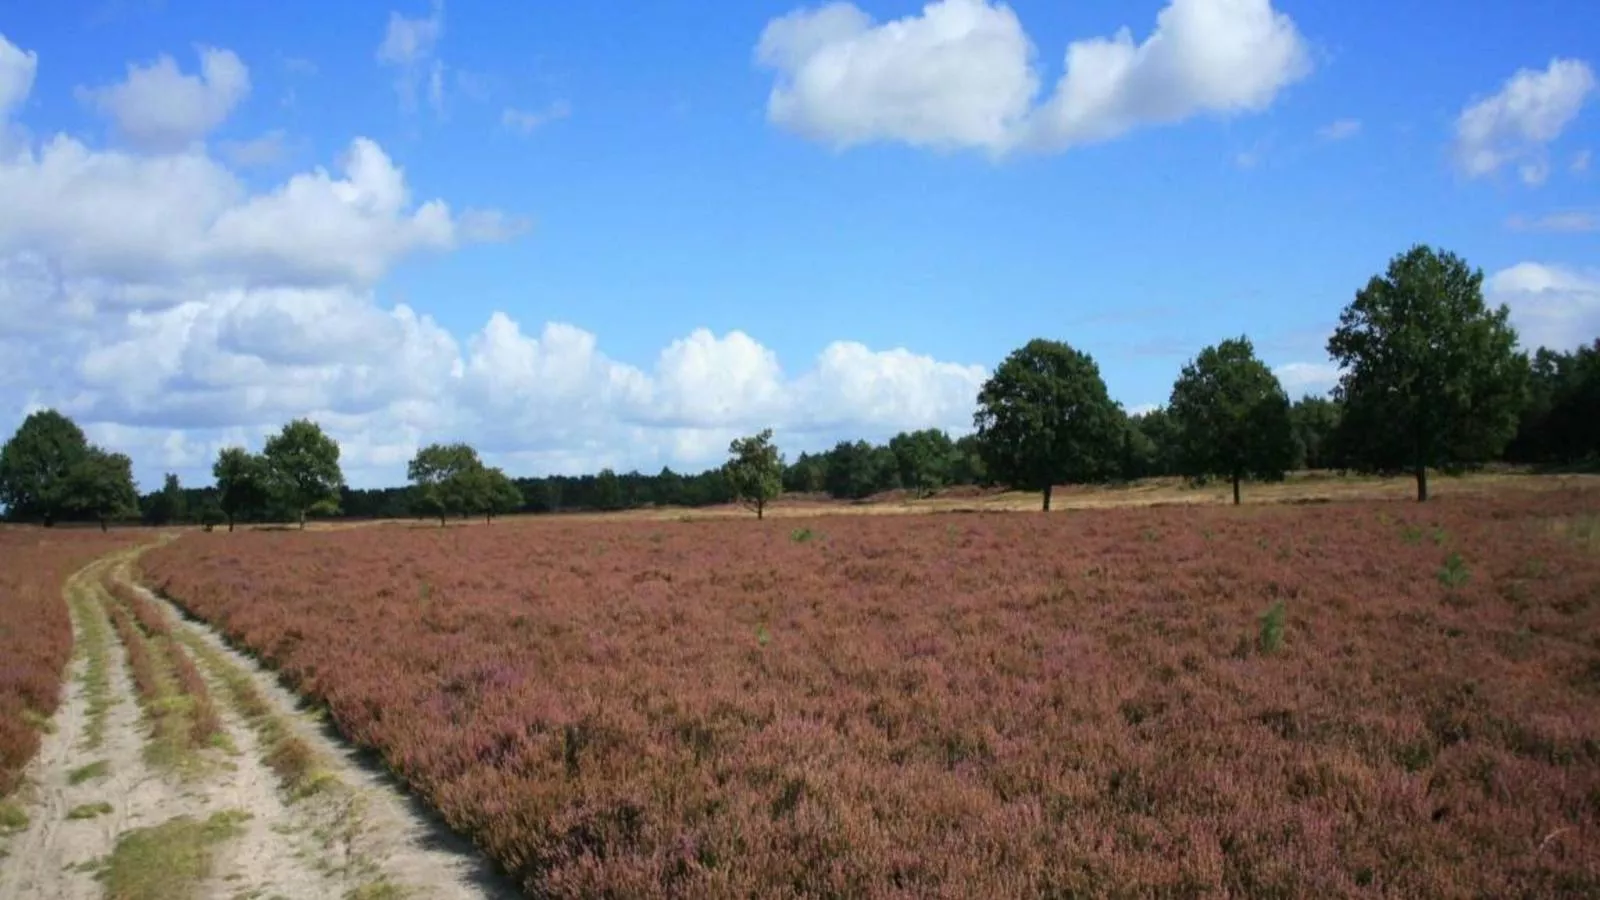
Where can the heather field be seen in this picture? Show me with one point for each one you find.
(36, 632)
(1365, 698)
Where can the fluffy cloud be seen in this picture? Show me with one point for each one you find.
(1516, 125)
(1205, 56)
(161, 220)
(958, 75)
(172, 309)
(319, 227)
(893, 390)
(1551, 306)
(159, 108)
(17, 68)
(1299, 378)
(961, 74)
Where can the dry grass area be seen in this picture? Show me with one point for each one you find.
(1353, 699)
(1297, 488)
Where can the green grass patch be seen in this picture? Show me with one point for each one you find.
(291, 758)
(1454, 572)
(381, 889)
(38, 721)
(95, 646)
(1270, 639)
(97, 769)
(169, 711)
(90, 810)
(12, 817)
(168, 861)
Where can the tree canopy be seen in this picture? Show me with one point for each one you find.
(493, 493)
(1432, 376)
(1559, 425)
(445, 480)
(169, 505)
(1045, 418)
(302, 465)
(1232, 416)
(450, 479)
(100, 486)
(1315, 421)
(755, 470)
(242, 485)
(49, 471)
(924, 459)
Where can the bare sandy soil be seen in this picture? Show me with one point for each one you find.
(355, 835)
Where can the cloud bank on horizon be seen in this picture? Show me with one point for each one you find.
(154, 287)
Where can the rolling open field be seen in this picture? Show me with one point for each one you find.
(1354, 698)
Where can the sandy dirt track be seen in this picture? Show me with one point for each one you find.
(356, 834)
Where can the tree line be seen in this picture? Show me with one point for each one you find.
(1432, 378)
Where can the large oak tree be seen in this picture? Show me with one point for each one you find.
(1232, 416)
(49, 471)
(1045, 418)
(302, 465)
(1432, 376)
(242, 488)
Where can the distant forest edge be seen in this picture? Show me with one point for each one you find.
(1432, 379)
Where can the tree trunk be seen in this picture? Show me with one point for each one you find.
(103, 523)
(230, 524)
(1422, 483)
(441, 520)
(488, 517)
(1235, 488)
(761, 510)
(302, 520)
(1047, 490)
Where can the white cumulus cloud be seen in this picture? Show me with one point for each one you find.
(1517, 124)
(17, 68)
(962, 74)
(1300, 378)
(160, 108)
(1205, 56)
(958, 75)
(184, 217)
(1551, 306)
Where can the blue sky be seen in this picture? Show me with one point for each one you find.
(859, 242)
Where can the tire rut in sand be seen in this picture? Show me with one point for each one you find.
(365, 823)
